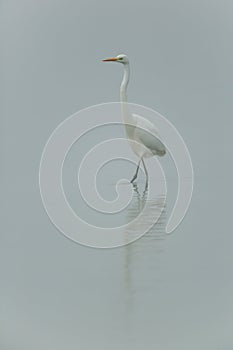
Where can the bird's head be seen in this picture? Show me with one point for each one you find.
(120, 59)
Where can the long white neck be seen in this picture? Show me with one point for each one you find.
(123, 95)
(124, 83)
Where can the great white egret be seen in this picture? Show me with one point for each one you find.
(138, 128)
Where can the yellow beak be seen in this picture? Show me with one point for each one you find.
(110, 59)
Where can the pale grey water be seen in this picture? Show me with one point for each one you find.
(164, 292)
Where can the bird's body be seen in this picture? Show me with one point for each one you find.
(142, 134)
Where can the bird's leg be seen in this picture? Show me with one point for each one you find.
(136, 174)
(146, 172)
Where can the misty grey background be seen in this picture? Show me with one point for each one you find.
(173, 293)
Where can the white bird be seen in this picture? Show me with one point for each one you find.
(138, 128)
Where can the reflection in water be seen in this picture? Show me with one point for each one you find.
(143, 254)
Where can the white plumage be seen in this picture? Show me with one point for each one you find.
(142, 134)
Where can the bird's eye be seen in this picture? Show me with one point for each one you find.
(120, 58)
